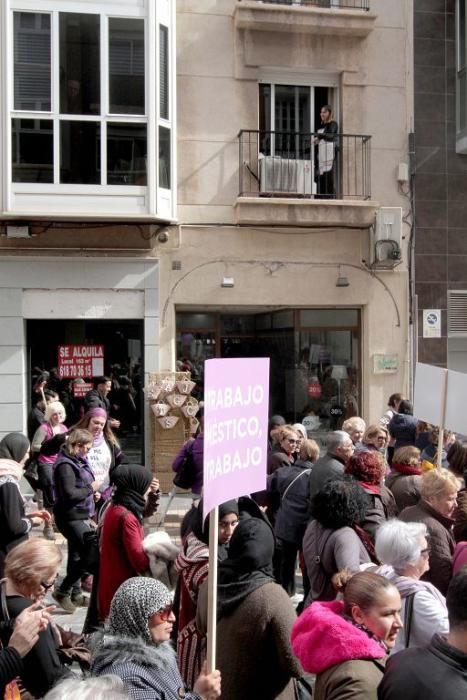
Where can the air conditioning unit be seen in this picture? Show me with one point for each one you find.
(386, 239)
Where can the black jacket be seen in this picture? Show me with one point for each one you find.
(403, 428)
(11, 665)
(294, 510)
(42, 667)
(14, 526)
(94, 400)
(326, 468)
(433, 672)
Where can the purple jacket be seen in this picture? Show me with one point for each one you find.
(198, 460)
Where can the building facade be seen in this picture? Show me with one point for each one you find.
(440, 180)
(268, 263)
(237, 225)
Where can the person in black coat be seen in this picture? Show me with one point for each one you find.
(30, 571)
(14, 524)
(291, 483)
(24, 631)
(440, 669)
(98, 398)
(403, 426)
(327, 143)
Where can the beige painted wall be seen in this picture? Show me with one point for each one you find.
(218, 69)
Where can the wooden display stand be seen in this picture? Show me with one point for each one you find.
(173, 420)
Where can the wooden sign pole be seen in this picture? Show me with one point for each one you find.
(212, 589)
(444, 399)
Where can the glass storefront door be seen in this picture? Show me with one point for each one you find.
(314, 354)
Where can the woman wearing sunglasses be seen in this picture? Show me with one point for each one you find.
(136, 646)
(31, 569)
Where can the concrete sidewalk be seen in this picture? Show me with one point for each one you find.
(179, 506)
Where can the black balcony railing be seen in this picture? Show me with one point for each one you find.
(338, 4)
(310, 165)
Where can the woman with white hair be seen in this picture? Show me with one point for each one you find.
(404, 551)
(55, 416)
(355, 427)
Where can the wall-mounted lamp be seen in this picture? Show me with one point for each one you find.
(342, 281)
(228, 282)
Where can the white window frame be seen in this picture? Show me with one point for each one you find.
(92, 201)
(309, 79)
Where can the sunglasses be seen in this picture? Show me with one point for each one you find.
(165, 613)
(47, 586)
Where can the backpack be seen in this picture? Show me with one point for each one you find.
(185, 477)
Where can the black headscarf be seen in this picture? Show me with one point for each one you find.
(194, 519)
(14, 446)
(131, 482)
(248, 565)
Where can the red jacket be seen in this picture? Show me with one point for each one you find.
(122, 555)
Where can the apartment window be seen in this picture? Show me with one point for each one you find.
(91, 105)
(288, 111)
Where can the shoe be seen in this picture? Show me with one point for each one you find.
(64, 600)
(86, 583)
(80, 600)
(48, 532)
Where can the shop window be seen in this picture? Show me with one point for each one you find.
(314, 354)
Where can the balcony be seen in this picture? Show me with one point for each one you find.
(321, 17)
(311, 178)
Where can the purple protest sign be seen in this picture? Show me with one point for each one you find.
(236, 402)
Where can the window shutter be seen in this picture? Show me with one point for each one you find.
(32, 61)
(457, 313)
(164, 72)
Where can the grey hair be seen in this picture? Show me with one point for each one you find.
(91, 688)
(337, 439)
(299, 428)
(398, 543)
(352, 423)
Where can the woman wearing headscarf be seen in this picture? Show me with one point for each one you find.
(255, 618)
(14, 525)
(136, 646)
(122, 555)
(192, 565)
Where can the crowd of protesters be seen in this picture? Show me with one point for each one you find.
(375, 526)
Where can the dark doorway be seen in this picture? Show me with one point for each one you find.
(123, 342)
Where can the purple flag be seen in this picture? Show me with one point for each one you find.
(236, 402)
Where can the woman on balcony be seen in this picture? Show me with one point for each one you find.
(326, 143)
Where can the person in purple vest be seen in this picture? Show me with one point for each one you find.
(75, 487)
